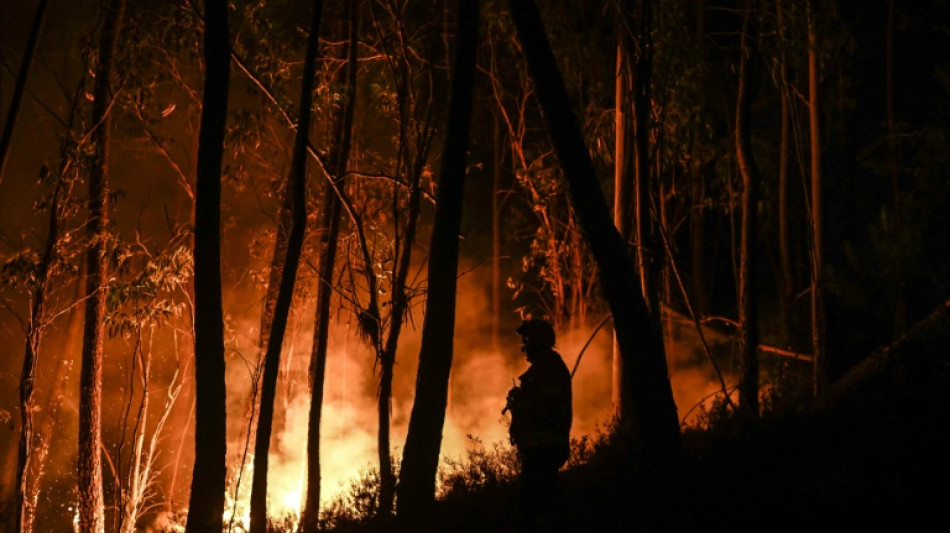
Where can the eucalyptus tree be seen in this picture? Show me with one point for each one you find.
(91, 507)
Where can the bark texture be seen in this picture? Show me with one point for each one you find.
(91, 511)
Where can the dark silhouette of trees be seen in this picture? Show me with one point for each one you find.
(819, 355)
(416, 490)
(748, 251)
(91, 511)
(206, 504)
(329, 231)
(298, 192)
(655, 422)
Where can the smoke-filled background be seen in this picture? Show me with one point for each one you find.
(522, 251)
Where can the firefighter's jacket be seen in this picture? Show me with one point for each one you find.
(541, 409)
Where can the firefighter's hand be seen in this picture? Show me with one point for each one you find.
(511, 399)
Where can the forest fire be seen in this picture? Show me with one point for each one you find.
(264, 261)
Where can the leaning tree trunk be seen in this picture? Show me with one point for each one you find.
(820, 368)
(416, 490)
(288, 278)
(748, 316)
(655, 423)
(91, 511)
(206, 504)
(20, 87)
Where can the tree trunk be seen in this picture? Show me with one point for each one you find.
(91, 511)
(655, 423)
(748, 315)
(424, 440)
(206, 504)
(20, 87)
(330, 229)
(25, 502)
(820, 374)
(786, 287)
(623, 183)
(297, 183)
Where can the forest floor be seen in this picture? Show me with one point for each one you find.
(878, 459)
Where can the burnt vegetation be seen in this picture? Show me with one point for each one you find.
(261, 262)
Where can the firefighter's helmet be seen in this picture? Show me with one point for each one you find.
(536, 332)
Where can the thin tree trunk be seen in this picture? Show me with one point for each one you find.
(25, 503)
(748, 315)
(20, 87)
(786, 285)
(329, 229)
(297, 183)
(91, 511)
(820, 374)
(623, 181)
(424, 439)
(206, 503)
(655, 424)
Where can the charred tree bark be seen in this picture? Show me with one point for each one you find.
(416, 491)
(20, 87)
(206, 504)
(820, 374)
(655, 423)
(91, 511)
(748, 315)
(297, 182)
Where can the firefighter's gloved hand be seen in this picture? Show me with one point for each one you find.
(511, 399)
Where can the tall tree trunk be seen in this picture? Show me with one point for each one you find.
(635, 66)
(91, 509)
(820, 374)
(623, 181)
(329, 230)
(25, 502)
(288, 278)
(424, 440)
(786, 287)
(206, 503)
(748, 315)
(655, 423)
(20, 87)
